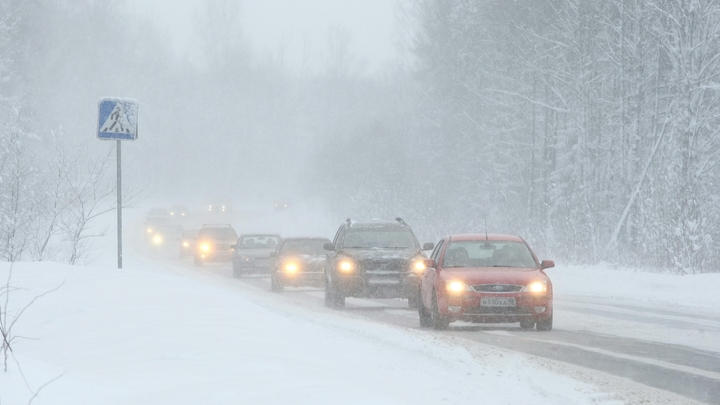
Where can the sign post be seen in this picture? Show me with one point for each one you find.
(117, 120)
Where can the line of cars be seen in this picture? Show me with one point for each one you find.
(479, 278)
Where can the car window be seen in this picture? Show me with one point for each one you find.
(303, 246)
(488, 254)
(217, 233)
(259, 242)
(377, 237)
(436, 253)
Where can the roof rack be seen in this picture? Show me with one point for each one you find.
(401, 221)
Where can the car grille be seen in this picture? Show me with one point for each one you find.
(480, 310)
(384, 265)
(497, 288)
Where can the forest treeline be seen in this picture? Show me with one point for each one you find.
(590, 127)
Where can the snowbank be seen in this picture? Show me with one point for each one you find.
(692, 291)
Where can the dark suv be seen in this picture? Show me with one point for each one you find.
(373, 259)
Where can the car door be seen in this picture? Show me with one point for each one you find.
(427, 283)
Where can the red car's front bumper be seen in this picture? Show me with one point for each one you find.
(468, 306)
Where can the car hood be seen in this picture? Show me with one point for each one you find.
(366, 254)
(309, 259)
(494, 275)
(255, 252)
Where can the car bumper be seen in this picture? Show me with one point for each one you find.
(468, 307)
(215, 256)
(368, 286)
(302, 279)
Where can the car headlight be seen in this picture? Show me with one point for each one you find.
(157, 239)
(149, 230)
(418, 265)
(346, 266)
(186, 244)
(536, 287)
(457, 287)
(205, 247)
(291, 267)
(172, 213)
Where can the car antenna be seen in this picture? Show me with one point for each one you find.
(486, 234)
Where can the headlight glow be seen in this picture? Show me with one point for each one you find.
(149, 230)
(157, 239)
(186, 244)
(419, 266)
(536, 287)
(346, 266)
(457, 286)
(205, 247)
(291, 267)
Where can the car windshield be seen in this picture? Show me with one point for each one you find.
(259, 242)
(157, 221)
(217, 233)
(488, 254)
(389, 238)
(190, 234)
(304, 247)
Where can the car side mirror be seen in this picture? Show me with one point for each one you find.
(273, 254)
(429, 263)
(546, 264)
(429, 246)
(329, 246)
(233, 246)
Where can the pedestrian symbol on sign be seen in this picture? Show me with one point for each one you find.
(117, 119)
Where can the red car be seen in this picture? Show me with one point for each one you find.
(486, 279)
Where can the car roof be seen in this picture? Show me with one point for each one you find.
(306, 238)
(376, 223)
(483, 236)
(259, 234)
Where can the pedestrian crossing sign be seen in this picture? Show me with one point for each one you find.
(117, 119)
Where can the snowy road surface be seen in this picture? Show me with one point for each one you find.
(162, 331)
(687, 371)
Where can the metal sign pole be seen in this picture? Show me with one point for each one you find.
(119, 204)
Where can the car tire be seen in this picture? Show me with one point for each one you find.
(545, 324)
(425, 316)
(275, 286)
(439, 322)
(527, 325)
(413, 301)
(333, 299)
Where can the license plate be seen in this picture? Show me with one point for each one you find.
(498, 302)
(383, 281)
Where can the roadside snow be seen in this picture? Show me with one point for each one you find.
(663, 308)
(145, 336)
(699, 291)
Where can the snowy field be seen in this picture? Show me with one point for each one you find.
(155, 333)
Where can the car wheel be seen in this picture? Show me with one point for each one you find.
(333, 299)
(545, 324)
(413, 301)
(527, 325)
(274, 285)
(439, 322)
(425, 316)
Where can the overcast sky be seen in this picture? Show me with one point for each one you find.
(265, 23)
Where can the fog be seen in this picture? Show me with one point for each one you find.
(533, 119)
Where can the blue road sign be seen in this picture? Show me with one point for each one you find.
(117, 119)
